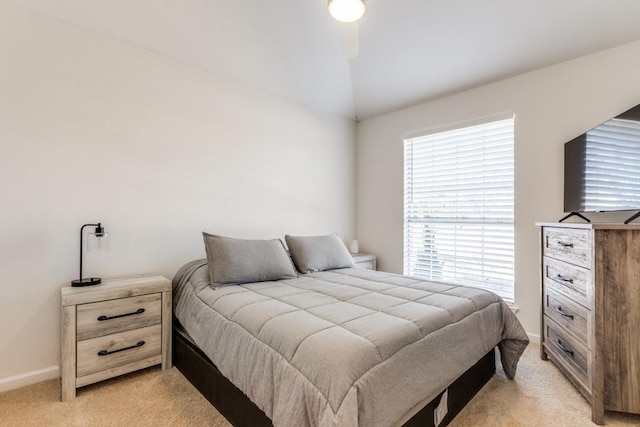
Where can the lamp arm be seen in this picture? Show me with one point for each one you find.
(81, 234)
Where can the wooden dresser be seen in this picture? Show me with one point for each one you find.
(114, 328)
(590, 317)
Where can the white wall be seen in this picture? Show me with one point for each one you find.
(94, 129)
(551, 106)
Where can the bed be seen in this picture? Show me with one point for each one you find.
(332, 345)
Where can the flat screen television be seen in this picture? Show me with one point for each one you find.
(602, 167)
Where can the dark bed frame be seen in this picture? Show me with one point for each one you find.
(236, 407)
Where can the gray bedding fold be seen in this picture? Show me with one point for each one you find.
(347, 347)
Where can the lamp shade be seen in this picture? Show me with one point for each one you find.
(347, 10)
(99, 242)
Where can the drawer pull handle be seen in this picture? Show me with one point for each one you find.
(106, 352)
(562, 313)
(138, 311)
(564, 279)
(566, 245)
(565, 349)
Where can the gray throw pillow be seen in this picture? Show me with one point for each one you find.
(235, 261)
(318, 253)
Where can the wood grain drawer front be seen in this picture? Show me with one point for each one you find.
(573, 355)
(569, 280)
(101, 353)
(573, 317)
(367, 265)
(571, 245)
(108, 317)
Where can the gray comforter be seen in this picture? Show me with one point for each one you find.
(347, 347)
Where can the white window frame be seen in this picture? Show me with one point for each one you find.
(459, 190)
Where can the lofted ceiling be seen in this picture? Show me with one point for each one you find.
(411, 51)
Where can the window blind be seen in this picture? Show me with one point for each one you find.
(458, 206)
(612, 166)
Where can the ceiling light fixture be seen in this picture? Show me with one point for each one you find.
(347, 10)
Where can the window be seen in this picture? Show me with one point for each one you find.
(458, 206)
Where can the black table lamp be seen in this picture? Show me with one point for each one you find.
(96, 241)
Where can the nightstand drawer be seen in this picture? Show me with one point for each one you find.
(101, 353)
(367, 265)
(569, 280)
(118, 315)
(574, 356)
(571, 245)
(365, 261)
(573, 317)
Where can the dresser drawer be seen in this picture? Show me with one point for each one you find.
(570, 245)
(118, 315)
(101, 353)
(567, 351)
(569, 280)
(573, 317)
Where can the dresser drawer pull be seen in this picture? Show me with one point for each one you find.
(562, 313)
(564, 279)
(565, 349)
(138, 311)
(106, 352)
(565, 245)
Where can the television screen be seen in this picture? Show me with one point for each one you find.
(602, 166)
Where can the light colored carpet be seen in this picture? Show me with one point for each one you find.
(149, 397)
(539, 396)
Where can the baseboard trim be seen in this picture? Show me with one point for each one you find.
(28, 378)
(534, 338)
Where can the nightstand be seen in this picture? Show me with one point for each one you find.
(114, 328)
(365, 261)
